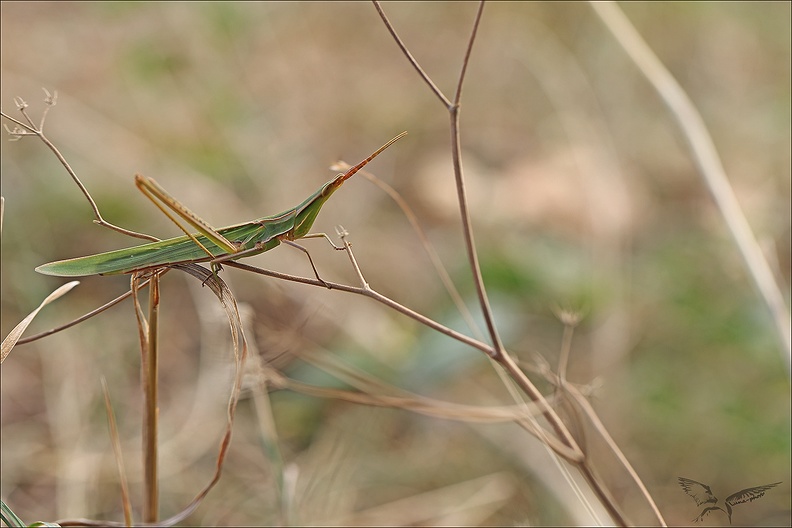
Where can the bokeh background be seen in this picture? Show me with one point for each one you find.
(583, 195)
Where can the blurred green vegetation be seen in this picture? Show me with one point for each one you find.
(239, 108)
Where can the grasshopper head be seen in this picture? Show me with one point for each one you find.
(309, 209)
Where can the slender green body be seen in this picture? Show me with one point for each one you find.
(171, 251)
(251, 238)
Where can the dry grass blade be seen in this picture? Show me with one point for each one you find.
(709, 163)
(13, 336)
(440, 507)
(116, 443)
(269, 439)
(377, 393)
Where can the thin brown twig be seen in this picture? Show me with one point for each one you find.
(31, 129)
(567, 449)
(424, 76)
(368, 292)
(603, 431)
(97, 311)
(453, 109)
(441, 270)
(464, 210)
(468, 51)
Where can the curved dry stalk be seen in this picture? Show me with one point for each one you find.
(709, 163)
(240, 347)
(464, 209)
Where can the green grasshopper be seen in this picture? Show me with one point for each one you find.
(214, 246)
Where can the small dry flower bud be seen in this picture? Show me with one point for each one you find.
(51, 98)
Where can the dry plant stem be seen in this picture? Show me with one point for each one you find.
(220, 289)
(708, 161)
(424, 406)
(223, 293)
(570, 321)
(570, 453)
(409, 56)
(368, 292)
(433, 256)
(603, 431)
(31, 129)
(470, 243)
(570, 391)
(152, 403)
(149, 375)
(116, 442)
(561, 386)
(373, 391)
(498, 352)
(453, 109)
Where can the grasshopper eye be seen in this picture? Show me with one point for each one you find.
(327, 189)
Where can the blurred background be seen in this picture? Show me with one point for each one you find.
(583, 196)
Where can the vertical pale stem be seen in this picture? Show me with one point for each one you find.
(151, 415)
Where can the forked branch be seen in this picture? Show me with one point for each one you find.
(29, 128)
(564, 438)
